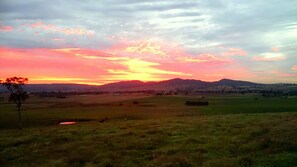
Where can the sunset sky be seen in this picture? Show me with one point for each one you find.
(103, 41)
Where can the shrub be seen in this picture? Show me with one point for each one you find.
(196, 103)
(61, 96)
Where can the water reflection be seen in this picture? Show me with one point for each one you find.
(67, 123)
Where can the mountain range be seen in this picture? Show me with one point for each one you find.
(135, 85)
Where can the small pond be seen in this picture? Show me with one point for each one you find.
(67, 123)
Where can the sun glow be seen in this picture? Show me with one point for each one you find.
(66, 80)
(141, 70)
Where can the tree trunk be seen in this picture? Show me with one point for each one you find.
(20, 118)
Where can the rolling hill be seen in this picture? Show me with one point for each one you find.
(135, 85)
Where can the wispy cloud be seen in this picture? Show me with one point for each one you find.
(204, 58)
(6, 28)
(144, 48)
(268, 57)
(275, 49)
(65, 30)
(235, 52)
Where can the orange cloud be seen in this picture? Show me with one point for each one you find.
(235, 52)
(146, 47)
(274, 48)
(270, 57)
(142, 70)
(294, 68)
(6, 28)
(44, 79)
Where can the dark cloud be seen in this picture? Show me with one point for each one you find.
(190, 23)
(33, 10)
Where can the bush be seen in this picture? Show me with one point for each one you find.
(1, 99)
(196, 103)
(61, 96)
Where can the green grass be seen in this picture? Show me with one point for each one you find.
(159, 131)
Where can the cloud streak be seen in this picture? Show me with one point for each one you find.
(268, 57)
(294, 68)
(6, 28)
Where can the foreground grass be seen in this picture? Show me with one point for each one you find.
(263, 139)
(234, 130)
(48, 111)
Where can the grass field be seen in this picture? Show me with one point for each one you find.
(113, 130)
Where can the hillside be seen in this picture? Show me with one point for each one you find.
(135, 85)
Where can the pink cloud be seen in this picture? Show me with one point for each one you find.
(283, 74)
(6, 28)
(128, 61)
(50, 66)
(42, 26)
(58, 39)
(235, 52)
(294, 68)
(77, 65)
(85, 53)
(210, 72)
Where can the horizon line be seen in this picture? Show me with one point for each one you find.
(93, 84)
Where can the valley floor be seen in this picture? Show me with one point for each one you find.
(181, 139)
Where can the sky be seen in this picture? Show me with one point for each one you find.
(104, 41)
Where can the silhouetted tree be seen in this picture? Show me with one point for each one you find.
(17, 93)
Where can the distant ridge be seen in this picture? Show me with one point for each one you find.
(135, 85)
(173, 84)
(229, 82)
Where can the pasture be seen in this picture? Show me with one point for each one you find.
(145, 130)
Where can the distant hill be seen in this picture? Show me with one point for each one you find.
(162, 85)
(229, 82)
(123, 85)
(173, 84)
(135, 85)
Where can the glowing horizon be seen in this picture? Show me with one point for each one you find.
(148, 41)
